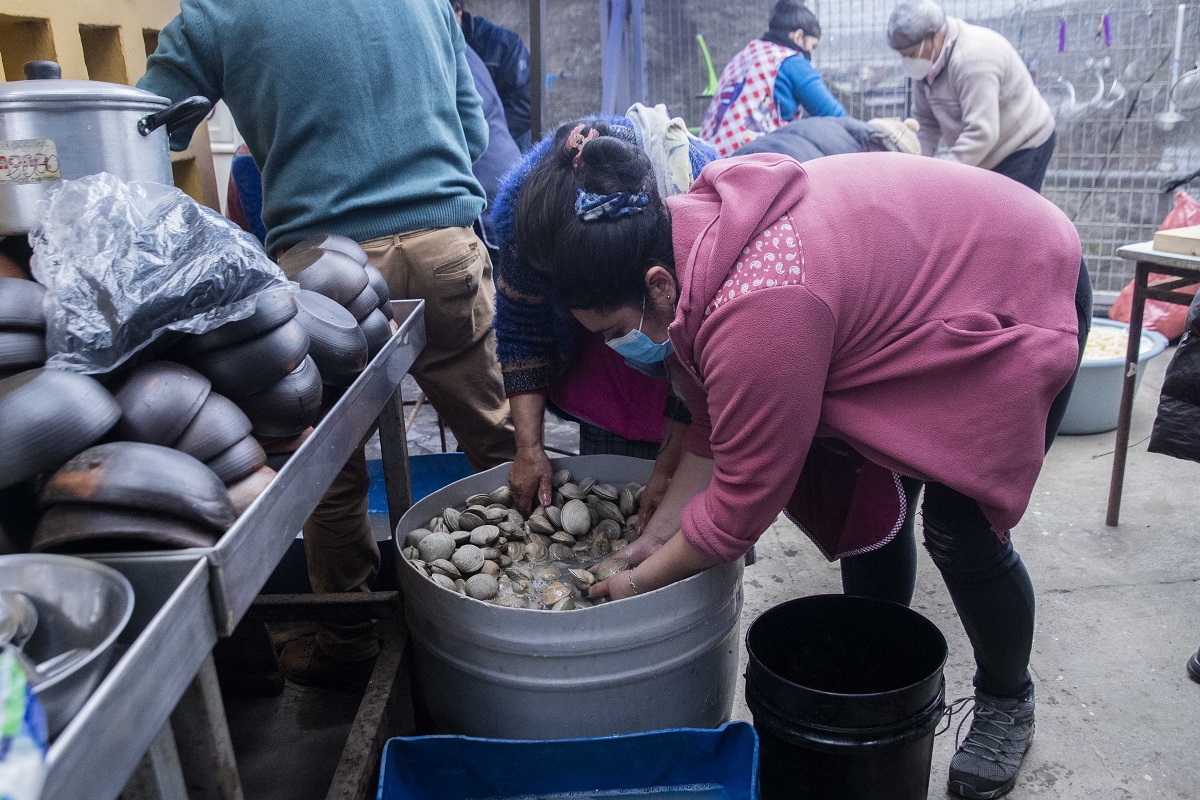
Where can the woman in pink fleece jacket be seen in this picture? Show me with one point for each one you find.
(844, 333)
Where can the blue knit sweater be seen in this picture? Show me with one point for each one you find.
(534, 336)
(361, 113)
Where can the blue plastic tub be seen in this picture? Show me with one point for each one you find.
(691, 763)
(429, 473)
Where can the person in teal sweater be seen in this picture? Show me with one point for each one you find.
(364, 120)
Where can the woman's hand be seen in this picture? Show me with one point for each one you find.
(664, 470)
(675, 560)
(646, 545)
(530, 479)
(530, 474)
(618, 587)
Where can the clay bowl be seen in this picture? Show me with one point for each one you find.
(289, 407)
(366, 302)
(144, 477)
(22, 350)
(87, 528)
(335, 275)
(158, 401)
(273, 307)
(336, 343)
(327, 241)
(21, 305)
(219, 425)
(238, 461)
(379, 284)
(47, 416)
(377, 330)
(250, 366)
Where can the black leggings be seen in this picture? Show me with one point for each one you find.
(985, 576)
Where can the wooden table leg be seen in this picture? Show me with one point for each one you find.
(1140, 283)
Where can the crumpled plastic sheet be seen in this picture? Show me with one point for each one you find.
(124, 263)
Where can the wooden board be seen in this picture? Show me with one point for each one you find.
(1179, 240)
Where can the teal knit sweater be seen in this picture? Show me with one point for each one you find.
(361, 113)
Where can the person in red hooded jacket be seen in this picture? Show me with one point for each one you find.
(845, 333)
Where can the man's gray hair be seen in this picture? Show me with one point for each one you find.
(912, 21)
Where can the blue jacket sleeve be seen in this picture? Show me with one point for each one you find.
(799, 85)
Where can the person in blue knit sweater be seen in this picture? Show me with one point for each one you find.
(547, 358)
(325, 96)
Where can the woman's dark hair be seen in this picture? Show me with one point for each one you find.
(788, 15)
(599, 264)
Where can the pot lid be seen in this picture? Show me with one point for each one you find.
(44, 84)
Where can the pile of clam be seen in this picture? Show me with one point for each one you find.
(490, 552)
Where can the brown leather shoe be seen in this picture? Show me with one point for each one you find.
(305, 663)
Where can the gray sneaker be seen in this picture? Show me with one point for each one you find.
(986, 763)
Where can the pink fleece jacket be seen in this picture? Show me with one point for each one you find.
(931, 327)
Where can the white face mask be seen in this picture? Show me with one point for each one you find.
(916, 67)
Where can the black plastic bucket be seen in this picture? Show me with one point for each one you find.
(846, 693)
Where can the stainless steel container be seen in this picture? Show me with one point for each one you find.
(664, 659)
(79, 604)
(53, 130)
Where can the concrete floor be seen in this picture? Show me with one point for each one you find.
(1118, 615)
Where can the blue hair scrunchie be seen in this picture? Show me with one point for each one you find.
(591, 207)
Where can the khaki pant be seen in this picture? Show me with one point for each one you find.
(449, 269)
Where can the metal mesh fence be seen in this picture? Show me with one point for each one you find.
(1111, 159)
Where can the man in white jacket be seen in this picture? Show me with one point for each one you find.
(972, 91)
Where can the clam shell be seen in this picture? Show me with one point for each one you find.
(510, 601)
(490, 553)
(576, 518)
(490, 568)
(505, 561)
(411, 553)
(519, 573)
(484, 535)
(617, 544)
(479, 500)
(482, 587)
(495, 513)
(460, 586)
(572, 491)
(626, 502)
(515, 517)
(560, 552)
(540, 525)
(566, 604)
(586, 484)
(609, 567)
(554, 514)
(439, 525)
(444, 567)
(451, 517)
(443, 581)
(470, 520)
(461, 537)
(503, 496)
(435, 546)
(581, 577)
(609, 510)
(521, 586)
(608, 529)
(601, 545)
(515, 550)
(412, 537)
(512, 529)
(547, 573)
(468, 559)
(544, 541)
(562, 537)
(535, 551)
(559, 478)
(606, 491)
(554, 593)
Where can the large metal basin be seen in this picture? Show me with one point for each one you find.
(665, 659)
(79, 604)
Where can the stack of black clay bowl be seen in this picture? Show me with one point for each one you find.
(22, 326)
(46, 417)
(337, 268)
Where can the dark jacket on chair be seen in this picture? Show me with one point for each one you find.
(1177, 427)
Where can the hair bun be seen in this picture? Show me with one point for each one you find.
(612, 165)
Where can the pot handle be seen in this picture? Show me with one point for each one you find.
(176, 115)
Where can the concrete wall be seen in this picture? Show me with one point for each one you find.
(103, 40)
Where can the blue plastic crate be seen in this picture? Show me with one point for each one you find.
(691, 763)
(429, 473)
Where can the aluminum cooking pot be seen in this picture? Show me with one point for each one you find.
(53, 130)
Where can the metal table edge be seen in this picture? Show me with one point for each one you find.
(99, 750)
